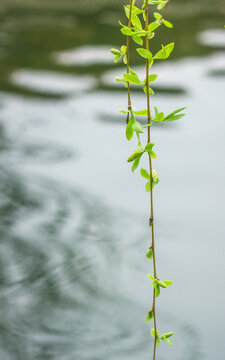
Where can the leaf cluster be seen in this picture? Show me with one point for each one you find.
(157, 284)
(164, 337)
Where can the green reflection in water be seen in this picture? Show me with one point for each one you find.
(31, 32)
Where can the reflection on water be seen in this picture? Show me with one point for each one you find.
(72, 268)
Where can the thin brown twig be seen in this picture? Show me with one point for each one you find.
(151, 220)
(128, 60)
(150, 168)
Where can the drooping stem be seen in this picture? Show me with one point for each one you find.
(151, 219)
(128, 59)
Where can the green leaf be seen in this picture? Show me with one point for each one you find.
(167, 24)
(162, 284)
(168, 282)
(152, 77)
(175, 112)
(144, 173)
(126, 31)
(145, 53)
(161, 5)
(117, 57)
(129, 129)
(132, 79)
(115, 51)
(174, 118)
(169, 334)
(141, 112)
(157, 15)
(149, 254)
(153, 155)
(133, 73)
(165, 52)
(157, 341)
(154, 25)
(123, 111)
(125, 59)
(137, 127)
(127, 11)
(123, 49)
(157, 290)
(150, 277)
(159, 117)
(136, 21)
(169, 341)
(137, 39)
(153, 332)
(151, 92)
(136, 163)
(147, 187)
(149, 316)
(149, 147)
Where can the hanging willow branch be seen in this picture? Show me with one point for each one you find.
(135, 31)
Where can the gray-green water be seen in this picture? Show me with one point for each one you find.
(73, 219)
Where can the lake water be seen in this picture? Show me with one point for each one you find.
(74, 232)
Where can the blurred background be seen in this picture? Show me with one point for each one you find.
(74, 219)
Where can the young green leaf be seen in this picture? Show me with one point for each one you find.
(126, 31)
(141, 112)
(157, 16)
(152, 77)
(137, 127)
(149, 147)
(115, 51)
(151, 92)
(159, 117)
(174, 118)
(144, 173)
(157, 341)
(174, 112)
(132, 79)
(165, 52)
(136, 21)
(129, 128)
(123, 111)
(137, 39)
(149, 254)
(167, 335)
(123, 49)
(168, 282)
(162, 4)
(125, 59)
(151, 277)
(162, 284)
(136, 163)
(147, 187)
(153, 333)
(154, 25)
(157, 290)
(153, 155)
(168, 24)
(149, 316)
(117, 57)
(145, 53)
